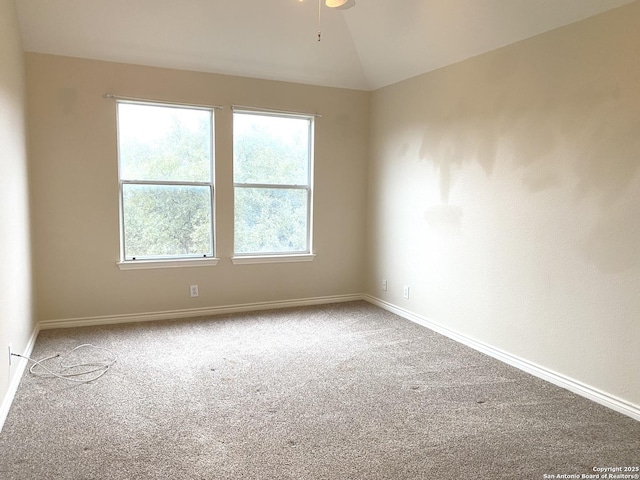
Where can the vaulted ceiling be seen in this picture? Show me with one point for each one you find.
(373, 44)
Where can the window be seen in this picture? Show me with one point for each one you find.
(166, 181)
(272, 174)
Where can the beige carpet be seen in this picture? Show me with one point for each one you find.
(344, 391)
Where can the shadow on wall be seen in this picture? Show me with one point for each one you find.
(586, 142)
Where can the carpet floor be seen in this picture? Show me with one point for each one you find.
(341, 391)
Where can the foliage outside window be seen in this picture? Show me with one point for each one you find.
(166, 181)
(272, 173)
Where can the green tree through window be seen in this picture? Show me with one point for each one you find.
(272, 183)
(166, 181)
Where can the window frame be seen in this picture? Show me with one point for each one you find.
(279, 256)
(167, 261)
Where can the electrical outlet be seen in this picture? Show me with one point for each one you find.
(405, 292)
(10, 354)
(193, 290)
(384, 285)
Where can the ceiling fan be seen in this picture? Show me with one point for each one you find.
(340, 3)
(335, 4)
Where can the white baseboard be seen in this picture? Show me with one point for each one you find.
(558, 379)
(194, 312)
(14, 383)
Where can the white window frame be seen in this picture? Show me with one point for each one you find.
(173, 261)
(282, 257)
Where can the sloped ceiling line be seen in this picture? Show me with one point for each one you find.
(374, 44)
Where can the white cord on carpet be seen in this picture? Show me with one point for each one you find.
(98, 366)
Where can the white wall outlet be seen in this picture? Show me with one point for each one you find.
(405, 291)
(193, 290)
(384, 285)
(10, 351)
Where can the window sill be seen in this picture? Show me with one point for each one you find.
(253, 259)
(172, 263)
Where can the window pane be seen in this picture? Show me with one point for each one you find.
(270, 220)
(161, 220)
(270, 149)
(164, 143)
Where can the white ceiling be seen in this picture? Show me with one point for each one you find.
(373, 44)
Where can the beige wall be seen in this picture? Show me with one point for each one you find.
(75, 191)
(15, 262)
(504, 190)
